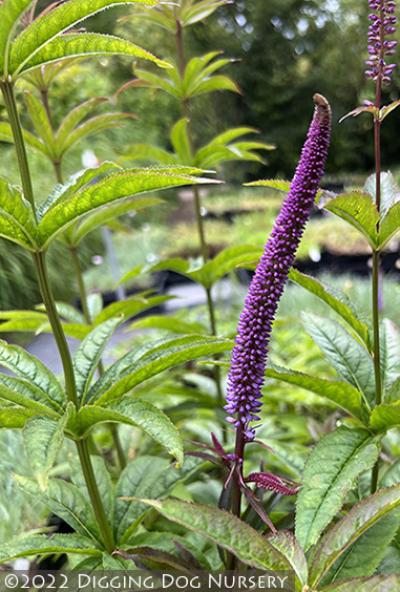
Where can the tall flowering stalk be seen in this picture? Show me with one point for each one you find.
(380, 46)
(246, 376)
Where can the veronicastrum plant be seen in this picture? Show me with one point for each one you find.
(33, 398)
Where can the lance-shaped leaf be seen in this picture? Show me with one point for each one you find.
(179, 353)
(147, 476)
(104, 215)
(277, 184)
(31, 140)
(43, 440)
(374, 584)
(136, 413)
(88, 355)
(84, 45)
(40, 120)
(349, 529)
(10, 13)
(16, 217)
(116, 186)
(173, 324)
(149, 153)
(359, 210)
(390, 191)
(52, 23)
(341, 393)
(286, 543)
(331, 472)
(92, 126)
(366, 554)
(334, 300)
(76, 116)
(26, 366)
(24, 393)
(67, 502)
(390, 225)
(226, 261)
(31, 544)
(390, 352)
(194, 12)
(385, 417)
(130, 307)
(225, 530)
(348, 356)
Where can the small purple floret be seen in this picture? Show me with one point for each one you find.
(382, 24)
(247, 371)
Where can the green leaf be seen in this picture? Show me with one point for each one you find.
(357, 209)
(10, 13)
(26, 366)
(147, 476)
(47, 27)
(16, 217)
(184, 350)
(173, 324)
(75, 117)
(226, 261)
(350, 528)
(31, 140)
(390, 191)
(390, 225)
(104, 215)
(335, 301)
(15, 417)
(286, 543)
(88, 355)
(83, 45)
(130, 307)
(22, 392)
(135, 412)
(390, 352)
(278, 184)
(43, 440)
(341, 393)
(40, 544)
(331, 472)
(375, 584)
(92, 126)
(67, 502)
(225, 530)
(149, 153)
(385, 417)
(391, 476)
(180, 141)
(348, 357)
(193, 13)
(366, 554)
(40, 120)
(116, 186)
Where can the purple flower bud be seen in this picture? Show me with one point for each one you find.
(246, 375)
(383, 23)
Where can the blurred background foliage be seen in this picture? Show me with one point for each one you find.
(284, 51)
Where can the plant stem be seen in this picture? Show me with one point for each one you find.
(86, 313)
(185, 106)
(236, 500)
(98, 507)
(7, 88)
(376, 264)
(54, 319)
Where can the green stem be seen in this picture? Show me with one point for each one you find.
(98, 507)
(185, 106)
(51, 309)
(7, 89)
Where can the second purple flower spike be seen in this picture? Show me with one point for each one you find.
(246, 376)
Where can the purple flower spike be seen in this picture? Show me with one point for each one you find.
(247, 371)
(382, 24)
